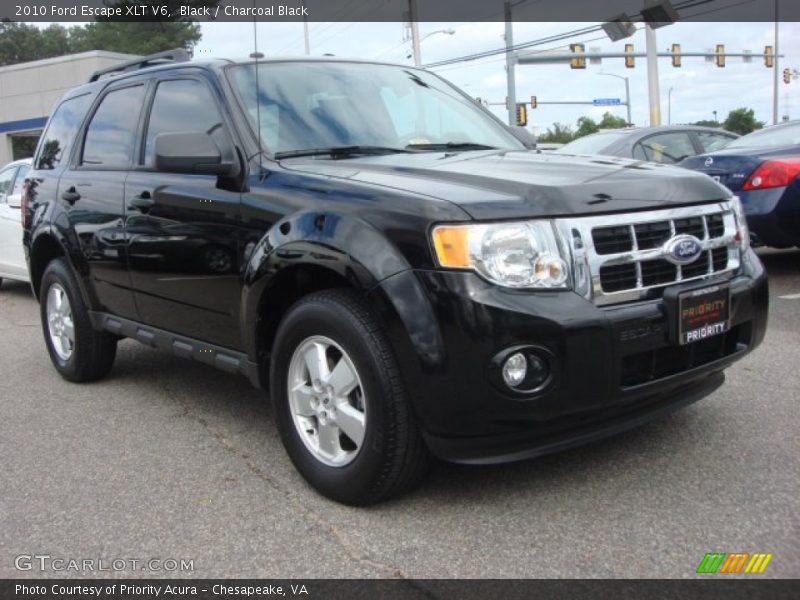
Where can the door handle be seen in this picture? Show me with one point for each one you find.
(143, 202)
(71, 195)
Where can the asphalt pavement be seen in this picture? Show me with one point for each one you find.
(170, 460)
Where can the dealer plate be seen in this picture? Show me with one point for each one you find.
(704, 313)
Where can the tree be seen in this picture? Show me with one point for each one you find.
(20, 42)
(610, 121)
(742, 121)
(586, 126)
(707, 123)
(559, 134)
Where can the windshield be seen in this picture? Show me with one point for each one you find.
(308, 105)
(784, 135)
(592, 144)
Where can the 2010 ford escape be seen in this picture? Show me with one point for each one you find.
(382, 254)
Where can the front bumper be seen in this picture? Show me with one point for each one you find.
(612, 367)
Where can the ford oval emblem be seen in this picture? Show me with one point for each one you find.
(683, 249)
(709, 162)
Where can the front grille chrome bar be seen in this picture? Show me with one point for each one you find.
(578, 239)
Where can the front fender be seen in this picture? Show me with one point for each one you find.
(337, 242)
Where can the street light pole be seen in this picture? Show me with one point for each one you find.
(412, 17)
(652, 77)
(775, 74)
(511, 83)
(669, 106)
(627, 93)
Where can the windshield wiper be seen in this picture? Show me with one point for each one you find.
(342, 151)
(452, 146)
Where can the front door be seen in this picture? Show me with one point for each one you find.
(183, 231)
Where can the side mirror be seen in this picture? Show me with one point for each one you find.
(189, 152)
(14, 201)
(523, 135)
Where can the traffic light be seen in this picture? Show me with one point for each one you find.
(630, 61)
(577, 62)
(720, 58)
(522, 114)
(769, 57)
(676, 55)
(534, 102)
(787, 75)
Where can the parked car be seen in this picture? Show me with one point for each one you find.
(763, 169)
(12, 255)
(408, 278)
(669, 144)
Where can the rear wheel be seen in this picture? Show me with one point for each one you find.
(339, 402)
(78, 352)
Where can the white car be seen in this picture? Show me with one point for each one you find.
(12, 255)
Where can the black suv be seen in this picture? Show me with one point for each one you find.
(386, 257)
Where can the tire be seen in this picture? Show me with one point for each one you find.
(88, 355)
(391, 455)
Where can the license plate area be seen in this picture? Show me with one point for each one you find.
(703, 313)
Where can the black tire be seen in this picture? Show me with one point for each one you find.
(393, 456)
(93, 352)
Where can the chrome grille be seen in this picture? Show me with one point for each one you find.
(621, 258)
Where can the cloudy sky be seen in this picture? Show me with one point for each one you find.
(698, 87)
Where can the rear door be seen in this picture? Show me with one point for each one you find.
(183, 230)
(92, 193)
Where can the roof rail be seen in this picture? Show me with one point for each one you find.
(175, 55)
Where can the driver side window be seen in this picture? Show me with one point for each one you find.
(185, 105)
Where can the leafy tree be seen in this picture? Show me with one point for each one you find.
(707, 123)
(20, 42)
(586, 126)
(559, 134)
(742, 121)
(610, 121)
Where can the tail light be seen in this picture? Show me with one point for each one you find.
(778, 172)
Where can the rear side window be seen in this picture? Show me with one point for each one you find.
(6, 180)
(183, 105)
(112, 130)
(668, 148)
(713, 141)
(57, 138)
(21, 174)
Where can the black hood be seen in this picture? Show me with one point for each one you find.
(518, 184)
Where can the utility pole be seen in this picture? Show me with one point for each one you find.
(305, 35)
(775, 75)
(511, 83)
(652, 77)
(412, 18)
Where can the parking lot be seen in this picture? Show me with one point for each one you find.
(169, 459)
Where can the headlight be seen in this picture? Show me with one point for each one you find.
(742, 232)
(517, 255)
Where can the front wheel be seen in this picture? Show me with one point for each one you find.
(78, 352)
(339, 401)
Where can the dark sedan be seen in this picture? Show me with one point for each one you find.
(763, 169)
(668, 145)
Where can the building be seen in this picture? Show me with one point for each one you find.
(29, 91)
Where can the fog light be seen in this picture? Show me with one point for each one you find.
(515, 369)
